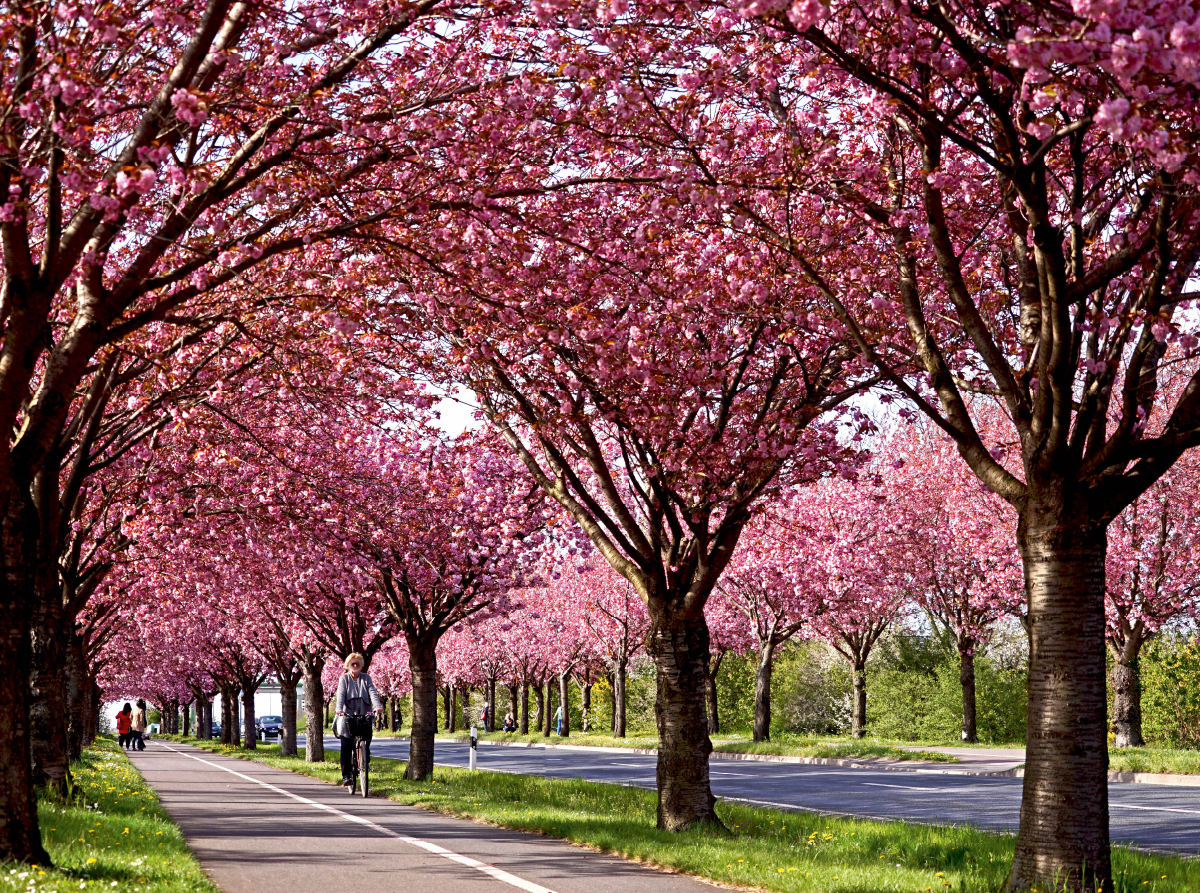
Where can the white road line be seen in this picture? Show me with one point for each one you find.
(1112, 805)
(903, 787)
(490, 870)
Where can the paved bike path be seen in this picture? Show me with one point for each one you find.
(256, 829)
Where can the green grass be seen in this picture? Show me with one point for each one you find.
(788, 746)
(771, 850)
(589, 739)
(115, 836)
(1152, 759)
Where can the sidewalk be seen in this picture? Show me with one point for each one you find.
(256, 829)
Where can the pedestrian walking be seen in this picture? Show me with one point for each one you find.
(137, 730)
(558, 719)
(125, 725)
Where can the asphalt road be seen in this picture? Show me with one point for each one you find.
(261, 830)
(1153, 817)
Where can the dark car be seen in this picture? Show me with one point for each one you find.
(268, 727)
(216, 729)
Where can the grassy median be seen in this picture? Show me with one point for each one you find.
(773, 850)
(115, 836)
(792, 746)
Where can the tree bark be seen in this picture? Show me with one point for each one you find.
(1127, 702)
(287, 706)
(454, 708)
(77, 697)
(251, 732)
(20, 838)
(524, 721)
(539, 695)
(490, 723)
(678, 644)
(858, 715)
(226, 716)
(712, 666)
(422, 661)
(314, 708)
(1063, 837)
(585, 703)
(762, 691)
(966, 676)
(446, 707)
(564, 701)
(513, 706)
(48, 708)
(548, 712)
(619, 683)
(187, 718)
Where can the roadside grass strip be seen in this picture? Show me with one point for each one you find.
(1153, 759)
(789, 746)
(766, 849)
(114, 837)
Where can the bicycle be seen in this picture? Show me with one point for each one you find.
(361, 752)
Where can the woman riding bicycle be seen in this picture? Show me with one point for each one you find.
(356, 697)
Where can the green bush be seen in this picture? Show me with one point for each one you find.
(1170, 673)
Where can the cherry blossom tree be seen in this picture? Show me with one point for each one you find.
(954, 540)
(655, 391)
(1028, 173)
(764, 584)
(617, 621)
(1151, 578)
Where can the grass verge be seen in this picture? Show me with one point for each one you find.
(792, 747)
(114, 837)
(1151, 759)
(771, 850)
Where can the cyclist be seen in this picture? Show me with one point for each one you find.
(356, 696)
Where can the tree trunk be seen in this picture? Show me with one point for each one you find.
(712, 716)
(1127, 702)
(564, 701)
(1063, 838)
(187, 717)
(226, 716)
(678, 644)
(966, 676)
(77, 697)
(453, 708)
(20, 838)
(92, 728)
(524, 721)
(490, 723)
(619, 687)
(287, 706)
(314, 708)
(514, 707)
(585, 701)
(539, 696)
(548, 712)
(48, 708)
(251, 732)
(858, 715)
(446, 707)
(422, 661)
(762, 691)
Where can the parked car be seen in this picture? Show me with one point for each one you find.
(216, 728)
(268, 727)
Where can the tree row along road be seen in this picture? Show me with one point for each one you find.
(1154, 817)
(256, 829)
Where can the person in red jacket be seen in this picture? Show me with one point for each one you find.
(125, 726)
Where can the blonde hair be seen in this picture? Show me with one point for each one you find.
(350, 658)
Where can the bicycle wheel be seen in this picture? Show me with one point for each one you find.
(364, 755)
